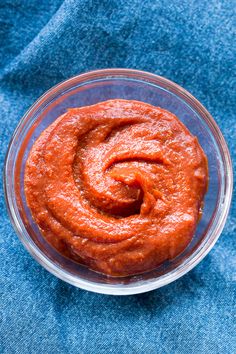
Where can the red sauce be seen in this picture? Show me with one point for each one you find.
(117, 186)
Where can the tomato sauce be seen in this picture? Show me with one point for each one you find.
(117, 186)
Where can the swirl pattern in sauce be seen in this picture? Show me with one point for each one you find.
(117, 186)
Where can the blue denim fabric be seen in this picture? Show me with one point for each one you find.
(190, 42)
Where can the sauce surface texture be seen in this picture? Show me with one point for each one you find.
(117, 186)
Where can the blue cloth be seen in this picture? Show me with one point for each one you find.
(44, 42)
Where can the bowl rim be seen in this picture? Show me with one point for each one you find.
(197, 255)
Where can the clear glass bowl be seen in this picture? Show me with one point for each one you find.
(97, 86)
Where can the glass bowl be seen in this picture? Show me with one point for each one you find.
(97, 86)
